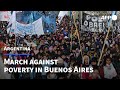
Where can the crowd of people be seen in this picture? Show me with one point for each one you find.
(57, 45)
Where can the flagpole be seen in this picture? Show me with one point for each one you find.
(71, 32)
(15, 29)
(109, 24)
(71, 40)
(78, 36)
(33, 24)
(31, 73)
(112, 30)
(103, 46)
(81, 20)
(114, 22)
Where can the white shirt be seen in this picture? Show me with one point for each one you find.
(109, 71)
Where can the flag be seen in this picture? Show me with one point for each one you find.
(109, 22)
(4, 15)
(75, 16)
(12, 23)
(31, 21)
(35, 27)
(31, 17)
(12, 18)
(61, 15)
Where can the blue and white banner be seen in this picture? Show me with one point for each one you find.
(49, 23)
(33, 28)
(24, 28)
(11, 25)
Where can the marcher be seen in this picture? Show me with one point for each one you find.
(57, 45)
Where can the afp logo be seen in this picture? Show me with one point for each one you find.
(114, 17)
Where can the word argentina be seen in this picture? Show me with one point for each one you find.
(16, 48)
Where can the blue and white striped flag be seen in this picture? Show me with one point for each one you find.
(109, 22)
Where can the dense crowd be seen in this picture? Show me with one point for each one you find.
(57, 45)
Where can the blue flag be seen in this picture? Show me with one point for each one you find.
(109, 22)
(49, 22)
(31, 17)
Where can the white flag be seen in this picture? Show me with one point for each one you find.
(12, 22)
(4, 15)
(33, 28)
(61, 15)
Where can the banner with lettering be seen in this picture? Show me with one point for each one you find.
(92, 23)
